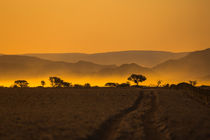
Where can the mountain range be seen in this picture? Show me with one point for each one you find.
(194, 65)
(143, 58)
(26, 66)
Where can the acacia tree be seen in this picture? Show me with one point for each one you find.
(21, 83)
(43, 83)
(137, 78)
(57, 82)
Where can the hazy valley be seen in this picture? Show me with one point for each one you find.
(142, 58)
(192, 66)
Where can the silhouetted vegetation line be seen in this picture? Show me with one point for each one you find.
(109, 127)
(134, 78)
(123, 85)
(110, 84)
(198, 93)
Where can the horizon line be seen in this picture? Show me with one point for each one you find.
(143, 50)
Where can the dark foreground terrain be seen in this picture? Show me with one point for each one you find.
(102, 114)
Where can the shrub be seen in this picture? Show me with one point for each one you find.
(110, 84)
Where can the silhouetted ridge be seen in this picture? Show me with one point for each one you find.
(194, 65)
(23, 66)
(125, 69)
(143, 58)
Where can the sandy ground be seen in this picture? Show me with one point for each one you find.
(101, 114)
(162, 115)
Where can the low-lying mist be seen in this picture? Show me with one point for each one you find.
(95, 80)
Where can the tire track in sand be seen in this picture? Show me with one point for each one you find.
(108, 129)
(150, 128)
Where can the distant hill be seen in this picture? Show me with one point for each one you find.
(24, 66)
(194, 65)
(16, 66)
(124, 70)
(143, 58)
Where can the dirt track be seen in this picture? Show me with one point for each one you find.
(153, 123)
(109, 130)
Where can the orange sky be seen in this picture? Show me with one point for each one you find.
(42, 26)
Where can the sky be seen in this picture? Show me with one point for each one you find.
(91, 26)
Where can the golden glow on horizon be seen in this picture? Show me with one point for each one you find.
(34, 82)
(43, 26)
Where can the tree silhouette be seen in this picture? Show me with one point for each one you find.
(43, 83)
(159, 83)
(124, 85)
(193, 83)
(58, 82)
(137, 78)
(87, 85)
(21, 83)
(55, 81)
(111, 84)
(78, 86)
(184, 85)
(166, 86)
(66, 84)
